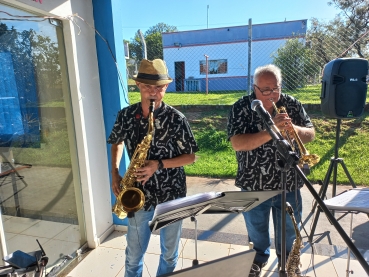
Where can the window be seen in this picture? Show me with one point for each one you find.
(38, 159)
(215, 66)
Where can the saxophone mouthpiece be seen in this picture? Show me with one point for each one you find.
(152, 105)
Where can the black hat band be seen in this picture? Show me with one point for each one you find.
(152, 76)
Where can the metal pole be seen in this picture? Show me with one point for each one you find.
(3, 249)
(207, 70)
(249, 58)
(282, 269)
(348, 271)
(144, 50)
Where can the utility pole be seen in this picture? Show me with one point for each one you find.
(249, 60)
(207, 70)
(144, 49)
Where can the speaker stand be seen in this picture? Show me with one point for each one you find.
(332, 168)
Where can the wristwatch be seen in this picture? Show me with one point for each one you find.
(160, 164)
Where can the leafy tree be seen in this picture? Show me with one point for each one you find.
(153, 39)
(154, 45)
(296, 62)
(135, 47)
(161, 28)
(344, 36)
(325, 42)
(3, 29)
(32, 51)
(355, 18)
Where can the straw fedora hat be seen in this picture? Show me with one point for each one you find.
(153, 72)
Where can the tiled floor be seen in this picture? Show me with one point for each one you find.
(57, 239)
(108, 259)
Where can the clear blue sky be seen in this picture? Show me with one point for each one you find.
(194, 15)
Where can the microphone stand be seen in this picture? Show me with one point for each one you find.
(290, 159)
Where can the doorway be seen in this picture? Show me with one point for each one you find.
(180, 75)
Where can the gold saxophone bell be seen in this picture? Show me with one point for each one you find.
(130, 198)
(306, 160)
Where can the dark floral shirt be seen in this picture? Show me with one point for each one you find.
(172, 137)
(257, 168)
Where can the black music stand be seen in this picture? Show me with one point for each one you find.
(240, 201)
(11, 170)
(206, 203)
(178, 209)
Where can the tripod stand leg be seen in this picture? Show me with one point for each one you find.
(347, 173)
(322, 194)
(323, 189)
(334, 183)
(333, 220)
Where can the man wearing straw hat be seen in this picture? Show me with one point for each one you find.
(163, 177)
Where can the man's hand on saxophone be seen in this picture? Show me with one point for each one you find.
(116, 178)
(116, 156)
(143, 174)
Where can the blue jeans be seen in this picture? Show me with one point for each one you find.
(257, 224)
(138, 237)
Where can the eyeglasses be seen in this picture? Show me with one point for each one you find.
(267, 92)
(153, 87)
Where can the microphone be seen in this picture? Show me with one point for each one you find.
(283, 146)
(257, 106)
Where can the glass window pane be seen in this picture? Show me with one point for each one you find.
(215, 67)
(38, 188)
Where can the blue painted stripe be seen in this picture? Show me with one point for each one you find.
(108, 15)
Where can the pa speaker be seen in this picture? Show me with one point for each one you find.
(344, 88)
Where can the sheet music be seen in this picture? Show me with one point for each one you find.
(185, 202)
(174, 210)
(351, 200)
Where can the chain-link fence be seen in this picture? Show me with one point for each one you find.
(223, 60)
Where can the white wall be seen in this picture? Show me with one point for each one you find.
(235, 53)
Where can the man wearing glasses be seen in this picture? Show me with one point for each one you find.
(256, 155)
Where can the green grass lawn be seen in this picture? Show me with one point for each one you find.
(217, 158)
(307, 95)
(194, 98)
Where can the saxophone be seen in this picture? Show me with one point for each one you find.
(293, 261)
(131, 199)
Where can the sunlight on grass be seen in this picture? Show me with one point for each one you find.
(217, 158)
(182, 98)
(307, 95)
